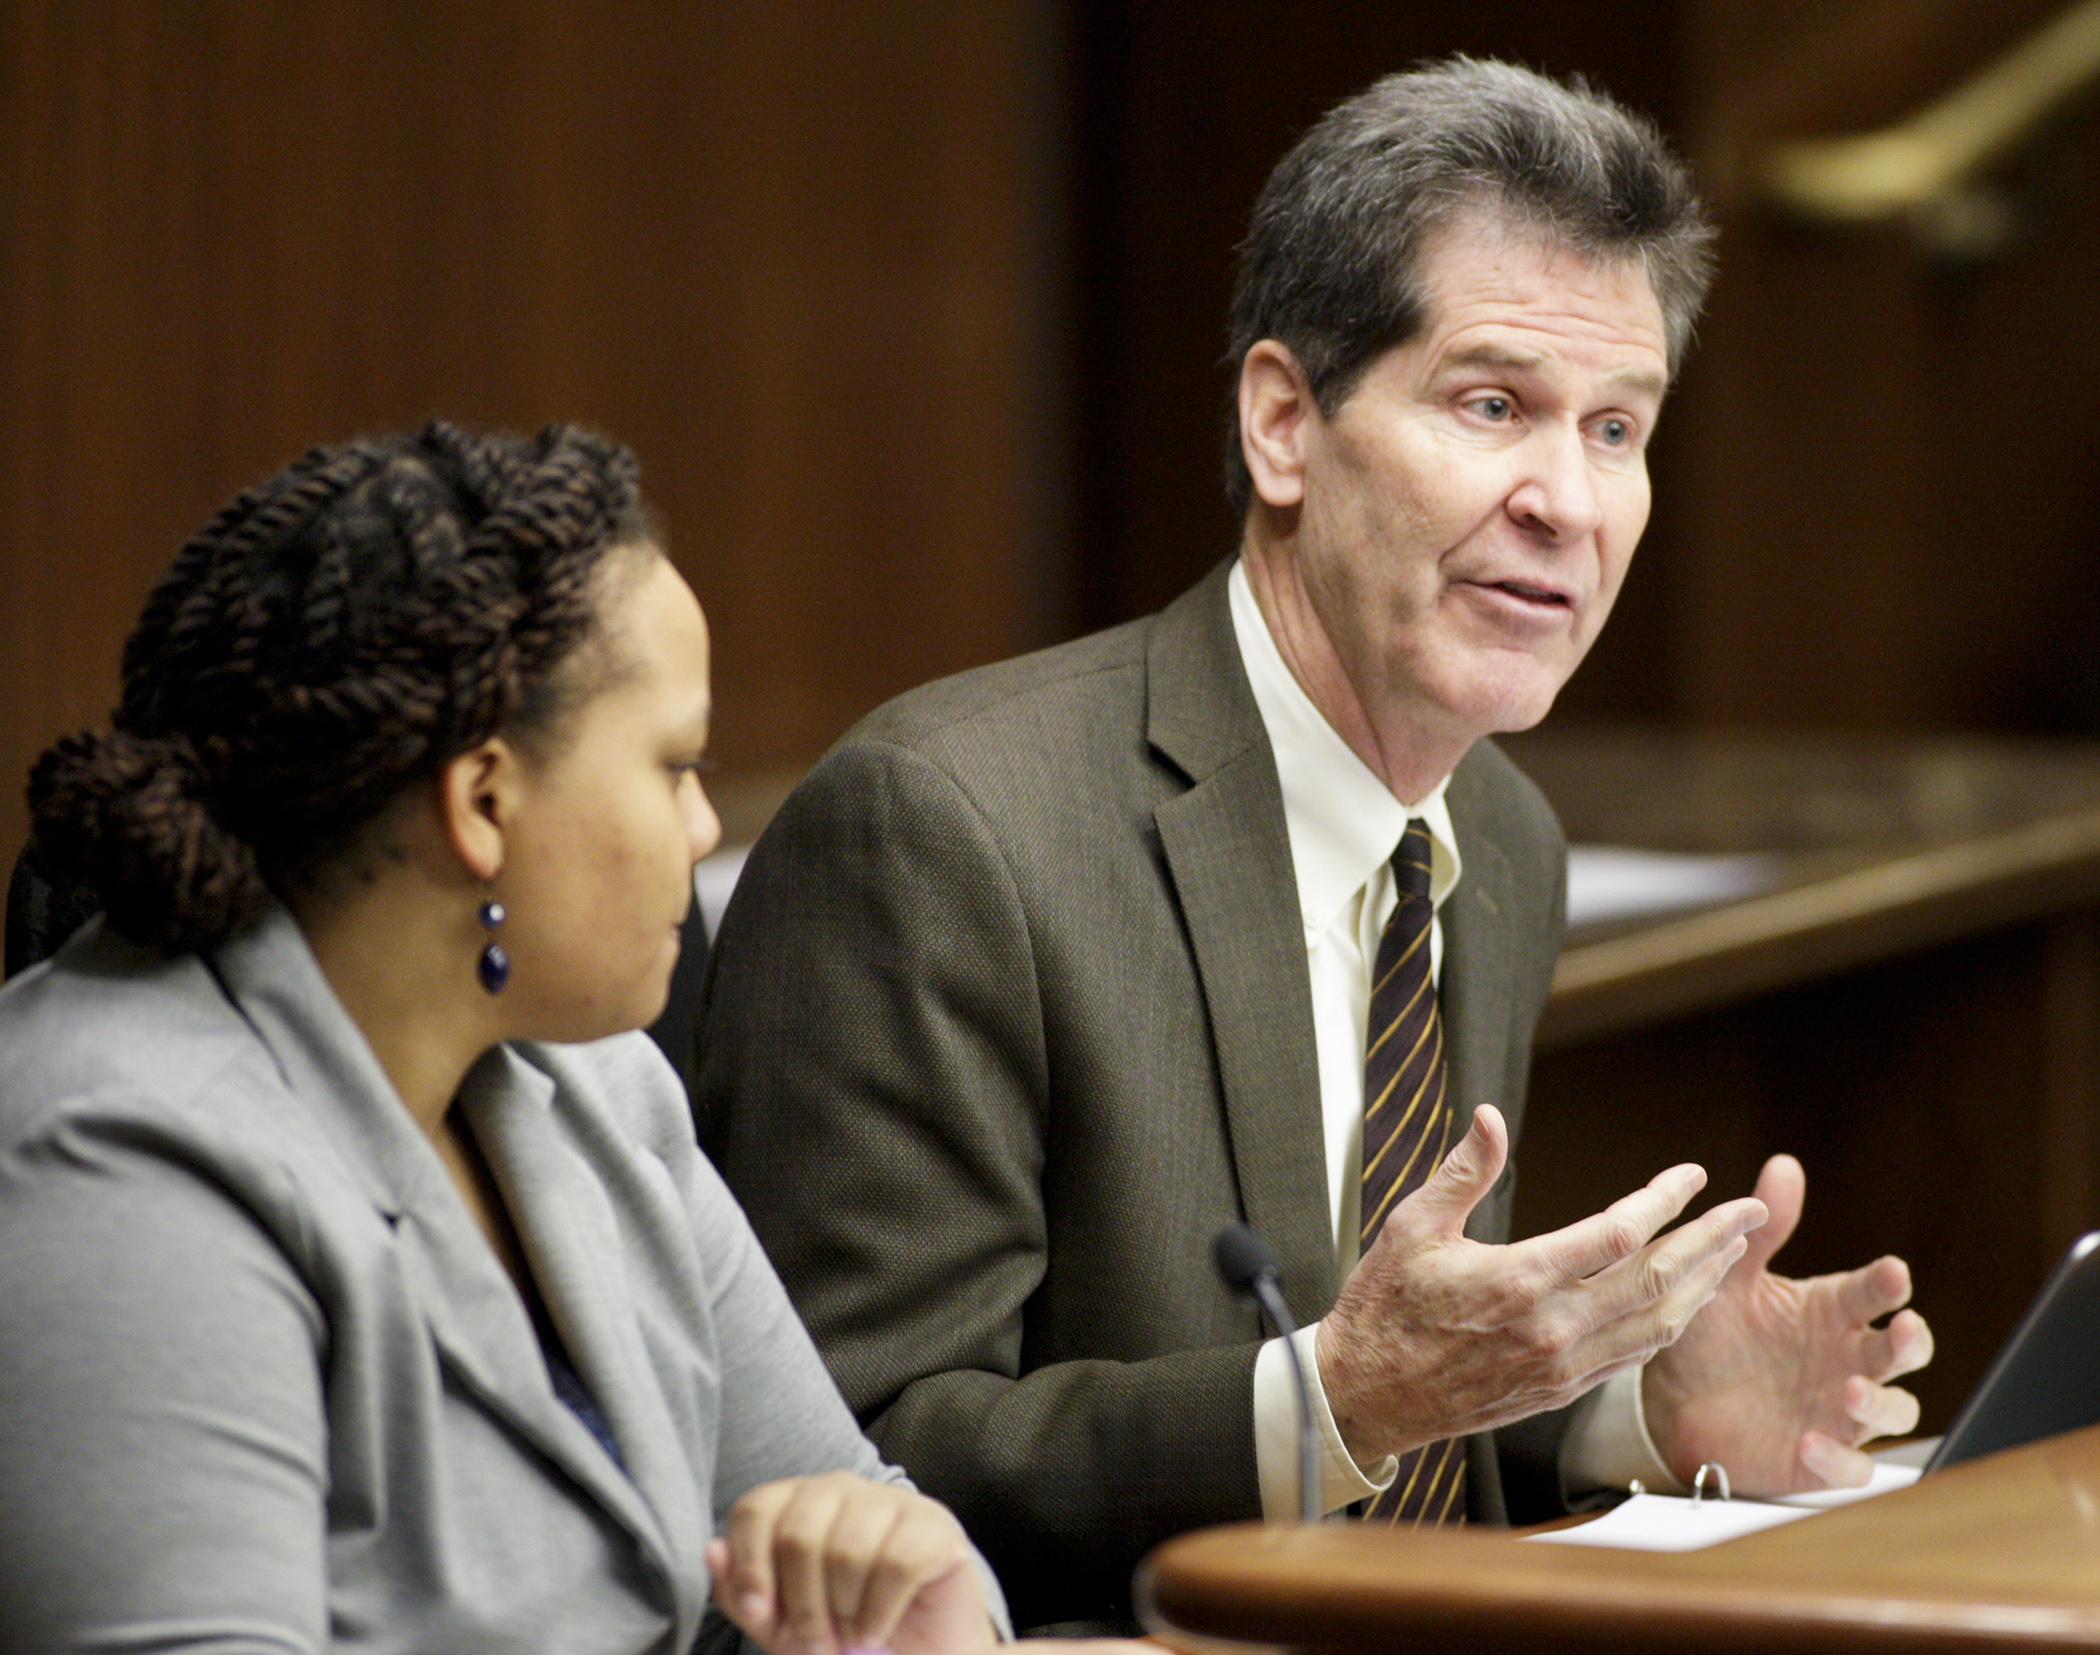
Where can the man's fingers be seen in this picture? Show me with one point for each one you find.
(1873, 1290)
(1632, 1331)
(1879, 1410)
(1782, 1186)
(1701, 1276)
(1910, 1343)
(1904, 1346)
(1618, 1247)
(1451, 1193)
(1622, 1229)
(1832, 1463)
(1695, 1244)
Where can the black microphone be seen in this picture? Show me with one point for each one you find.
(1250, 1269)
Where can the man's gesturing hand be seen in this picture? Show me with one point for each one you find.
(1435, 1335)
(1781, 1380)
(820, 1565)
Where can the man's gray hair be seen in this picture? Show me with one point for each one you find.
(1331, 266)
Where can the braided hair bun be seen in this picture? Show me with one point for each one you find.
(334, 634)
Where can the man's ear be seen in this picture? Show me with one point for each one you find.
(478, 796)
(1277, 414)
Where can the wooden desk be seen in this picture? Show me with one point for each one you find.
(1913, 1008)
(2001, 1554)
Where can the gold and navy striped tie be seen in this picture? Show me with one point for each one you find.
(1407, 1130)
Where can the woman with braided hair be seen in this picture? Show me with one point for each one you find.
(360, 1284)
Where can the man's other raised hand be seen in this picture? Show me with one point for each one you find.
(1781, 1380)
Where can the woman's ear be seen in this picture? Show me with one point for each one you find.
(479, 793)
(1277, 412)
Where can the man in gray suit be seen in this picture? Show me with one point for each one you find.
(1051, 970)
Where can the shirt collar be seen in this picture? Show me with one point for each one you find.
(1343, 822)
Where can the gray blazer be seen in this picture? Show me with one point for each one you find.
(1009, 1015)
(264, 1386)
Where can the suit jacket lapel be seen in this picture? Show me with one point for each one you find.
(1229, 858)
(1474, 986)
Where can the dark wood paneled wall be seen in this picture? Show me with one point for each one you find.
(811, 262)
(1891, 464)
(789, 249)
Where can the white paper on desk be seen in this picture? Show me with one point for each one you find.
(1667, 1523)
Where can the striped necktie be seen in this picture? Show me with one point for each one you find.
(1407, 1130)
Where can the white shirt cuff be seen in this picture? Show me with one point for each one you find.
(1342, 1480)
(1607, 1443)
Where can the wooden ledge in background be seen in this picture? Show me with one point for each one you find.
(1892, 905)
(1882, 846)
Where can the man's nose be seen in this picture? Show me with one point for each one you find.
(1556, 493)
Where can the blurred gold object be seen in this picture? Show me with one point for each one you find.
(1928, 169)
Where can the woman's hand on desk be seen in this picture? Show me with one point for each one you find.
(822, 1565)
(1780, 1380)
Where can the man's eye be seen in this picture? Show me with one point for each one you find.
(1493, 408)
(1617, 432)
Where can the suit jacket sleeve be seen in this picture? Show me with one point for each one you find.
(875, 1020)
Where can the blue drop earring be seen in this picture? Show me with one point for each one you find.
(494, 965)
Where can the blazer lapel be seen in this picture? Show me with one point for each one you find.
(480, 1326)
(576, 1253)
(486, 1339)
(1229, 858)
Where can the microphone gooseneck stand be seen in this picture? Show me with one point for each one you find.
(1251, 1270)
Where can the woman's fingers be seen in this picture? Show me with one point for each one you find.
(922, 1547)
(820, 1565)
(802, 1558)
(744, 1576)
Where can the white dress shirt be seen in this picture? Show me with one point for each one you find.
(1344, 824)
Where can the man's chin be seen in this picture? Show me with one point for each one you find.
(1504, 705)
(1515, 689)
(1522, 718)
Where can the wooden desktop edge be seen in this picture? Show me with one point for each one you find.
(2000, 1554)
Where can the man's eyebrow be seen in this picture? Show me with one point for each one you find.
(1641, 381)
(1495, 356)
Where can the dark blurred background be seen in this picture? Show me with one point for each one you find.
(914, 313)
